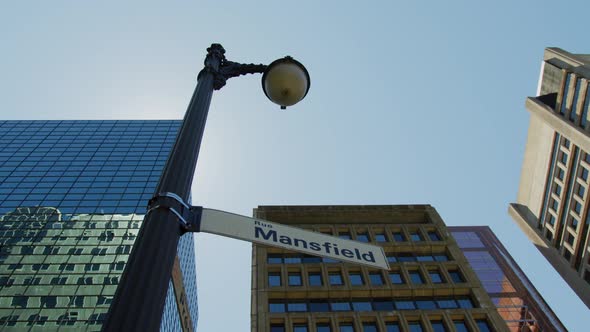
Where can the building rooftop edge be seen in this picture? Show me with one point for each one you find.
(60, 120)
(344, 207)
(574, 59)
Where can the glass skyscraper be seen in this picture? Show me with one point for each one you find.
(72, 199)
(517, 300)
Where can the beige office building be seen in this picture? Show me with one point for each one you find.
(429, 287)
(552, 204)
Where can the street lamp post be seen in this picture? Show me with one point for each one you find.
(139, 300)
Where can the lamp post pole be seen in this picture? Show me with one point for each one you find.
(139, 300)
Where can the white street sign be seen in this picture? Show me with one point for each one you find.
(296, 239)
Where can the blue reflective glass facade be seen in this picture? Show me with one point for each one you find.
(186, 255)
(516, 299)
(72, 199)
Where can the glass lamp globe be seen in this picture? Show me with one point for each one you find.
(285, 82)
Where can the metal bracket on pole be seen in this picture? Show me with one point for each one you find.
(189, 217)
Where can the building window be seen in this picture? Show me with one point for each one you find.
(295, 279)
(383, 305)
(346, 327)
(436, 277)
(340, 306)
(578, 208)
(555, 205)
(557, 189)
(460, 326)
(315, 279)
(274, 279)
(36, 319)
(415, 326)
(58, 281)
(456, 276)
(277, 328)
(300, 328)
(363, 237)
(276, 307)
(323, 327)
(563, 158)
(356, 278)
(68, 318)
(20, 301)
(410, 257)
(549, 235)
(416, 236)
(433, 235)
(583, 174)
(48, 301)
(567, 254)
(292, 259)
(369, 327)
(392, 327)
(416, 277)
(380, 237)
(396, 278)
(329, 260)
(31, 281)
(438, 326)
(551, 220)
(274, 259)
(6, 281)
(335, 279)
(297, 307)
(425, 304)
(399, 236)
(319, 306)
(465, 303)
(581, 191)
(362, 306)
(570, 239)
(311, 259)
(405, 305)
(441, 258)
(345, 235)
(84, 281)
(376, 278)
(574, 222)
(561, 174)
(483, 325)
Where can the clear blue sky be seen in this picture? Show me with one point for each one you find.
(410, 102)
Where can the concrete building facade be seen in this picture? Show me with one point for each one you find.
(429, 287)
(552, 203)
(72, 199)
(518, 302)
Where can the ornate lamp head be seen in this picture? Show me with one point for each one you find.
(285, 82)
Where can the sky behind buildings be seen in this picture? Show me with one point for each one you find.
(410, 102)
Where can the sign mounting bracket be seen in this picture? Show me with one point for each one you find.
(189, 217)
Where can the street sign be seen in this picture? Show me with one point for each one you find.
(296, 239)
